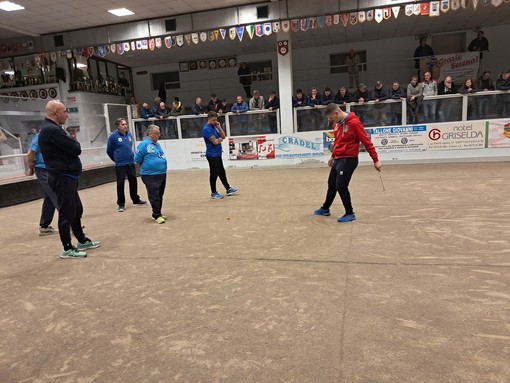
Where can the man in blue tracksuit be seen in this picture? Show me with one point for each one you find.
(153, 167)
(120, 150)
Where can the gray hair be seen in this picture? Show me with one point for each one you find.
(331, 108)
(119, 120)
(151, 129)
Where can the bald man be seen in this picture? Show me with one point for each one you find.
(61, 155)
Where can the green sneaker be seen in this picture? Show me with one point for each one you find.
(73, 253)
(88, 245)
(160, 220)
(163, 216)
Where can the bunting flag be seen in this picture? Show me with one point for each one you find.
(276, 27)
(159, 43)
(194, 38)
(187, 37)
(285, 25)
(179, 40)
(259, 30)
(145, 44)
(386, 13)
(497, 3)
(203, 36)
(445, 6)
(294, 25)
(120, 49)
(329, 20)
(434, 8)
(475, 4)
(152, 44)
(353, 18)
(84, 53)
(210, 35)
(139, 45)
(345, 19)
(223, 33)
(486, 2)
(336, 19)
(216, 34)
(305, 23)
(240, 32)
(168, 42)
(409, 9)
(312, 22)
(101, 51)
(378, 15)
(361, 16)
(465, 3)
(396, 11)
(417, 9)
(370, 15)
(455, 5)
(320, 21)
(232, 33)
(127, 47)
(425, 9)
(250, 29)
(133, 46)
(268, 29)
(113, 48)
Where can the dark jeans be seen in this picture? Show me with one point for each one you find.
(49, 198)
(121, 172)
(338, 181)
(69, 207)
(216, 170)
(155, 190)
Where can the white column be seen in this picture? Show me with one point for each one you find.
(285, 85)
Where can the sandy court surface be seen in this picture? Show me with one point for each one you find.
(255, 288)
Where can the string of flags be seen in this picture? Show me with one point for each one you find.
(431, 9)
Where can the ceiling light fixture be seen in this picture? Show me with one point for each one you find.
(121, 12)
(8, 6)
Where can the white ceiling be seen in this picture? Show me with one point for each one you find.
(51, 16)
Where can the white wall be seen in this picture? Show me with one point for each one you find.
(389, 60)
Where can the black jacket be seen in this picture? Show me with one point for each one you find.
(60, 152)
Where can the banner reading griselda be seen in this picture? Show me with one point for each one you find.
(460, 66)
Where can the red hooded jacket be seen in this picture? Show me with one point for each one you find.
(348, 134)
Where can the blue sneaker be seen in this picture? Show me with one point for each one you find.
(322, 211)
(232, 191)
(347, 218)
(216, 195)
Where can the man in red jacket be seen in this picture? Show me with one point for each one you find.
(349, 132)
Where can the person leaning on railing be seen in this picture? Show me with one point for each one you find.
(503, 83)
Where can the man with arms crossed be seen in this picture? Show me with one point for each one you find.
(349, 132)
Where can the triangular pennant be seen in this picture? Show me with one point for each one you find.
(133, 45)
(305, 23)
(250, 29)
(386, 13)
(231, 33)
(314, 24)
(187, 37)
(396, 11)
(216, 34)
(362, 16)
(210, 35)
(276, 27)
(329, 20)
(240, 32)
(203, 36)
(294, 25)
(425, 9)
(259, 30)
(465, 3)
(113, 48)
(320, 21)
(145, 44)
(378, 15)
(168, 42)
(139, 44)
(268, 29)
(159, 43)
(409, 9)
(353, 18)
(370, 15)
(120, 49)
(486, 2)
(179, 40)
(127, 47)
(434, 8)
(417, 9)
(101, 51)
(345, 19)
(152, 44)
(496, 3)
(91, 51)
(475, 4)
(285, 25)
(445, 6)
(194, 38)
(455, 4)
(336, 19)
(84, 53)
(223, 33)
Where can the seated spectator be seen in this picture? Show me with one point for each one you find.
(197, 107)
(379, 94)
(429, 89)
(327, 96)
(361, 96)
(446, 106)
(240, 123)
(155, 106)
(484, 84)
(343, 96)
(179, 103)
(414, 99)
(503, 83)
(468, 88)
(316, 116)
(396, 93)
(257, 101)
(214, 104)
(177, 109)
(299, 99)
(224, 107)
(146, 112)
(272, 103)
(315, 98)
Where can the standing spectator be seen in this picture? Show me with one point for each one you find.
(197, 107)
(241, 120)
(396, 93)
(145, 113)
(36, 164)
(224, 107)
(343, 96)
(244, 74)
(315, 100)
(423, 50)
(327, 96)
(446, 105)
(162, 114)
(155, 106)
(153, 167)
(379, 94)
(429, 89)
(479, 44)
(414, 99)
(135, 107)
(177, 109)
(468, 88)
(484, 84)
(61, 156)
(300, 100)
(213, 136)
(353, 62)
(349, 132)
(214, 103)
(361, 96)
(257, 101)
(272, 103)
(120, 151)
(503, 83)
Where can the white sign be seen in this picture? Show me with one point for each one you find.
(399, 138)
(459, 135)
(499, 134)
(458, 65)
(308, 144)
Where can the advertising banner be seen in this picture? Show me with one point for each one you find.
(309, 144)
(195, 150)
(399, 138)
(459, 135)
(498, 134)
(251, 148)
(460, 66)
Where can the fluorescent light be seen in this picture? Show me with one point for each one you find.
(80, 65)
(121, 12)
(9, 72)
(8, 6)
